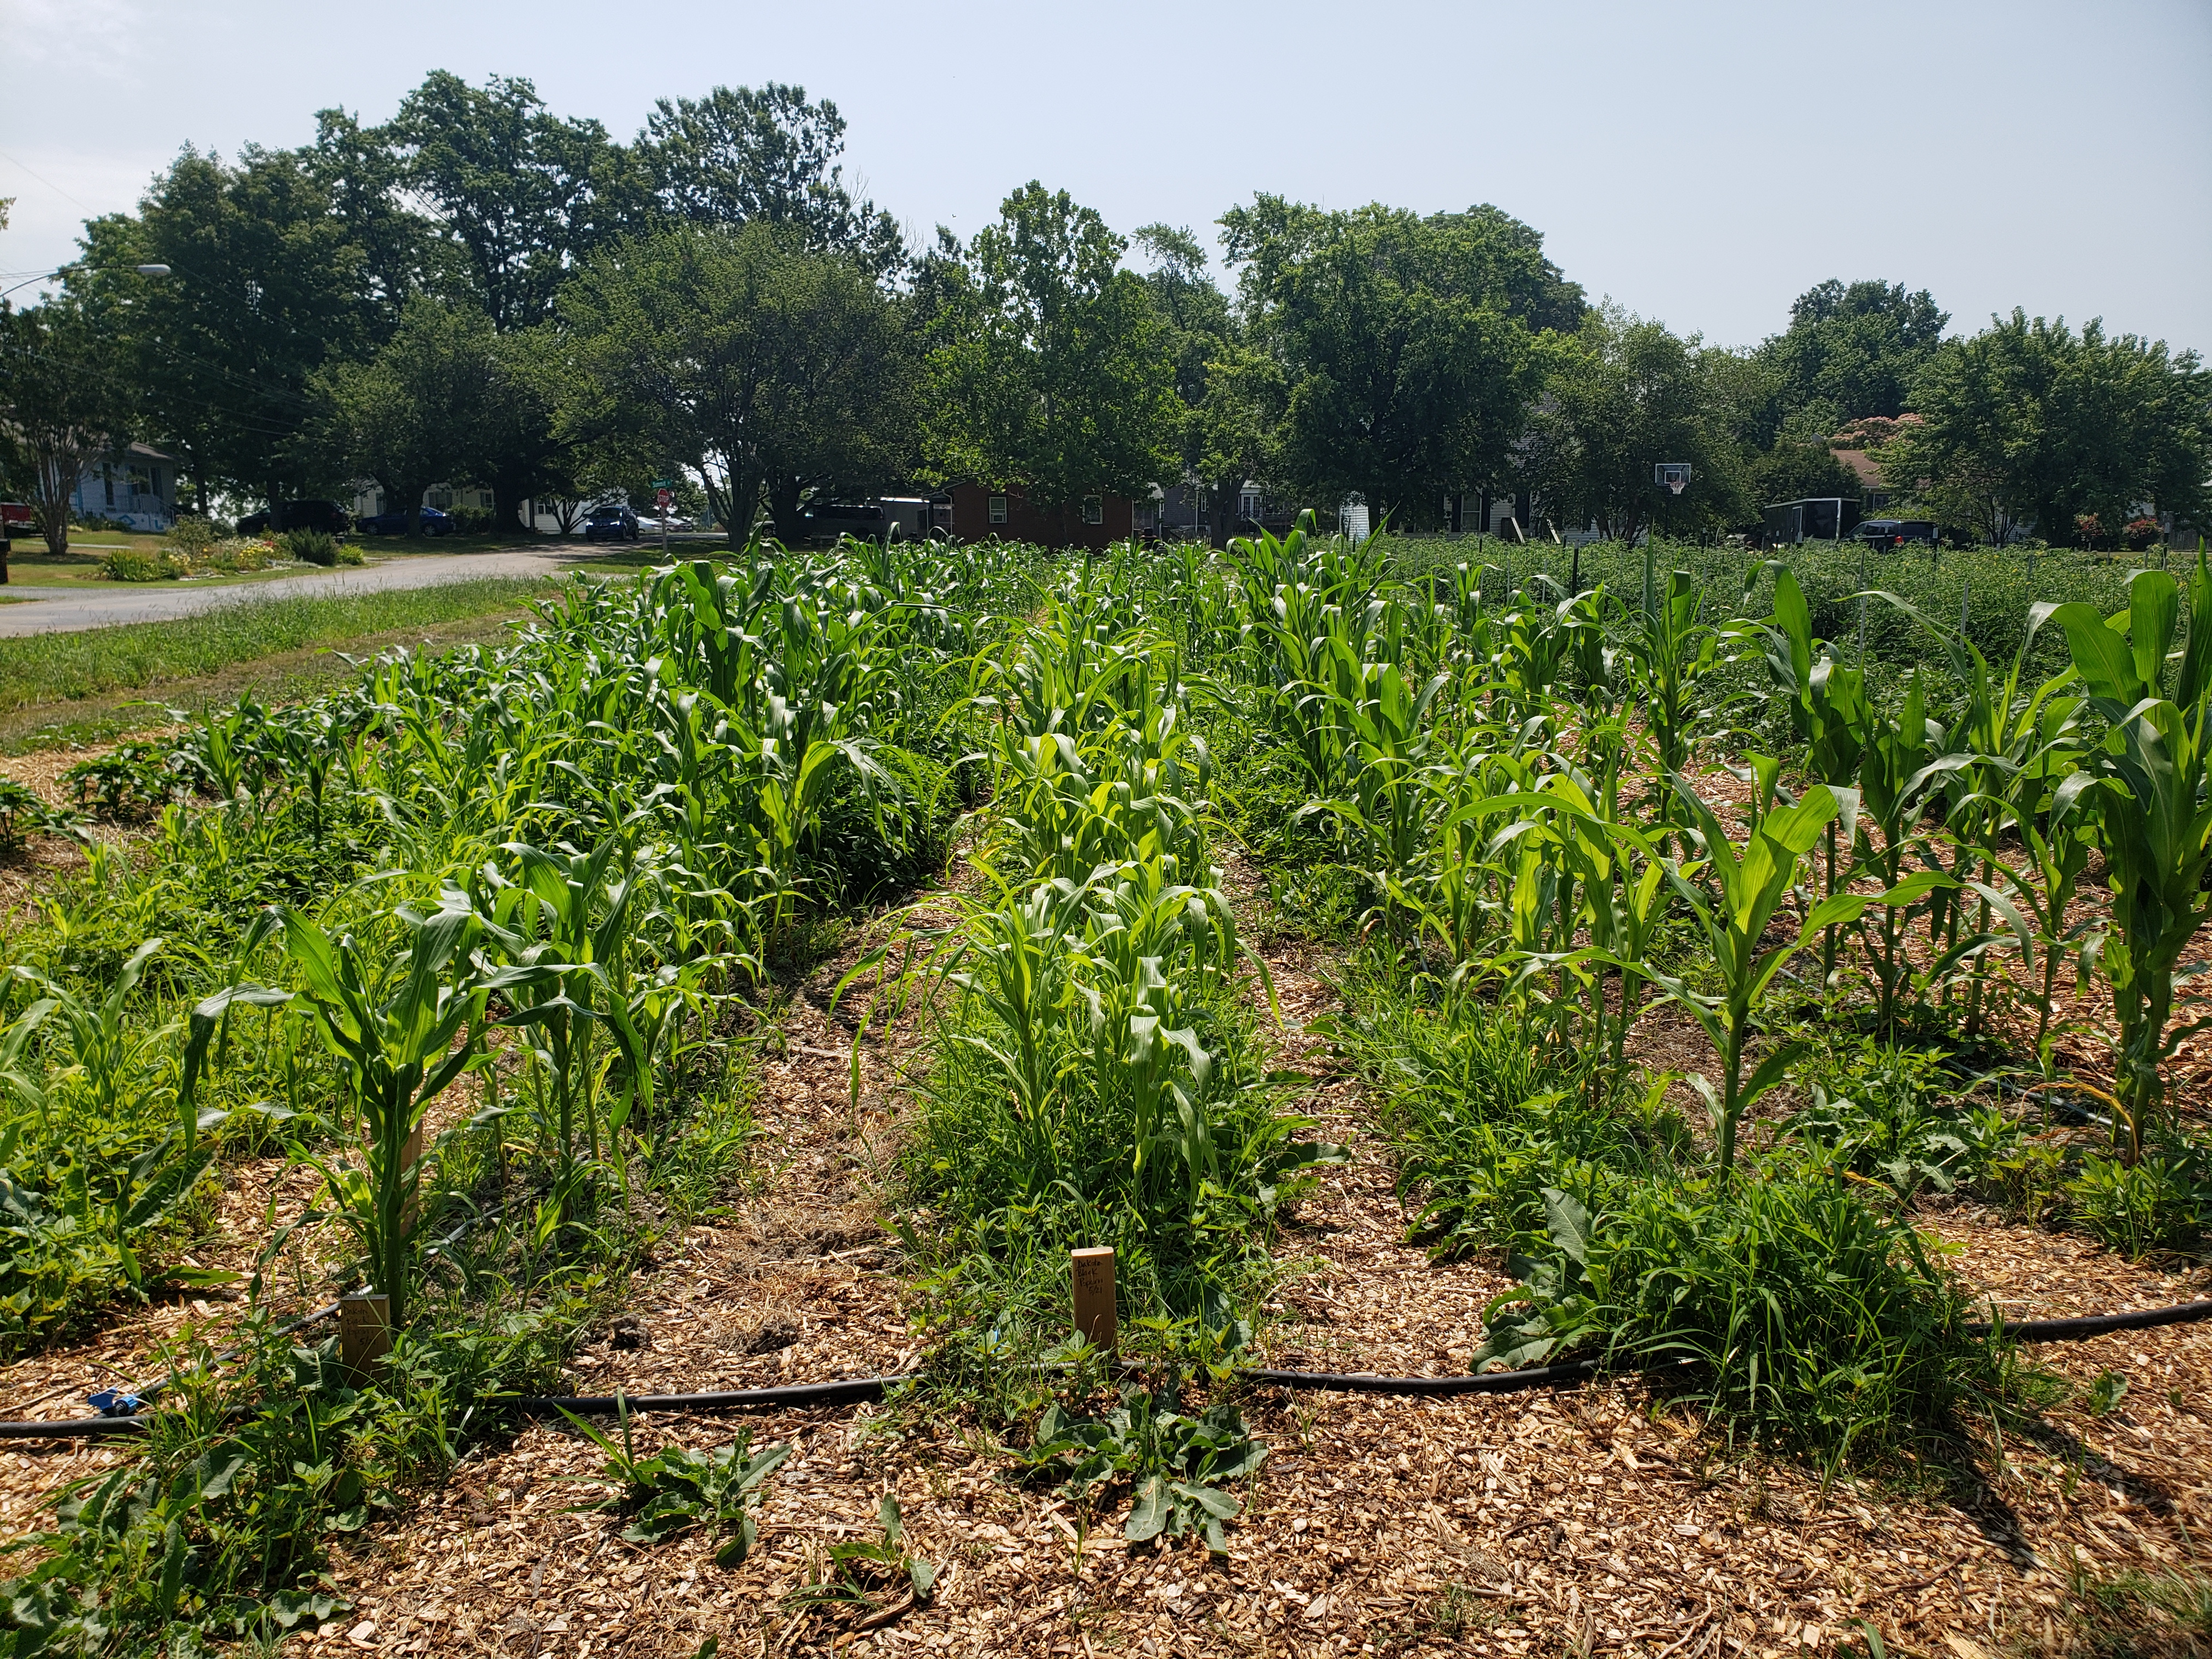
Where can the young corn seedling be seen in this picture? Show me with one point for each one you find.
(1748, 882)
(403, 1032)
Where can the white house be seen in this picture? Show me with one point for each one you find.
(369, 500)
(135, 485)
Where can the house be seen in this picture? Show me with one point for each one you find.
(1853, 443)
(1183, 511)
(135, 485)
(981, 513)
(369, 500)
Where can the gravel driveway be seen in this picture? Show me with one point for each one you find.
(69, 610)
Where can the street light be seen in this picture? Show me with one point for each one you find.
(55, 275)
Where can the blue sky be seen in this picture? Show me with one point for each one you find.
(1700, 163)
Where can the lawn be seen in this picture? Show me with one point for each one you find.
(88, 686)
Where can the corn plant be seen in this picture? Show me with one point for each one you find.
(1891, 797)
(1748, 882)
(2153, 821)
(1672, 652)
(1827, 708)
(403, 1030)
(565, 930)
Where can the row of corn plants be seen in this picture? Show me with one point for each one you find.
(479, 940)
(1518, 782)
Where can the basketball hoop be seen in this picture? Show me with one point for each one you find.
(1675, 475)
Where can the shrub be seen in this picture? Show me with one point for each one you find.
(235, 553)
(129, 564)
(2140, 533)
(191, 538)
(310, 546)
(470, 521)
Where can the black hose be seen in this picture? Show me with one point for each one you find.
(2080, 1330)
(1535, 1376)
(854, 1389)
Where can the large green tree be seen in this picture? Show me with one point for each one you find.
(743, 154)
(2045, 426)
(65, 400)
(776, 372)
(266, 285)
(1404, 342)
(1050, 373)
(1229, 390)
(1853, 350)
(521, 195)
(415, 413)
(1621, 394)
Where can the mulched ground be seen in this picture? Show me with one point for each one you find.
(1576, 1522)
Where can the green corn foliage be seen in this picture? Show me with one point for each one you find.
(2154, 820)
(1747, 883)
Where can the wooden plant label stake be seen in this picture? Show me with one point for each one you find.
(364, 1330)
(1094, 1296)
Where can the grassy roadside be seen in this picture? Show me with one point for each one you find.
(88, 687)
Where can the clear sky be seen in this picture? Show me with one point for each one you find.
(1700, 163)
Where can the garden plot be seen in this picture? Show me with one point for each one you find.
(1331, 947)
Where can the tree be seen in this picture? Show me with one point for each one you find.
(362, 172)
(1856, 350)
(1781, 453)
(1052, 373)
(266, 286)
(521, 194)
(1404, 343)
(1623, 394)
(1229, 390)
(415, 413)
(2037, 424)
(64, 402)
(771, 370)
(519, 450)
(738, 156)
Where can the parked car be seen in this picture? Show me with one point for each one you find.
(16, 519)
(326, 516)
(433, 522)
(1895, 533)
(610, 524)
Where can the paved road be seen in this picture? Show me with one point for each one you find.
(71, 609)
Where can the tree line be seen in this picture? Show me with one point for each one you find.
(481, 292)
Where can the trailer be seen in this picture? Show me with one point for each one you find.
(1815, 518)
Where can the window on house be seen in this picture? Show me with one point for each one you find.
(1094, 510)
(142, 481)
(441, 499)
(1247, 505)
(998, 509)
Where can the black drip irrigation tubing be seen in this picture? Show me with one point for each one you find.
(145, 1392)
(856, 1389)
